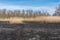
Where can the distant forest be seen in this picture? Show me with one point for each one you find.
(27, 13)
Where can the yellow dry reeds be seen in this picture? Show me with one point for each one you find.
(48, 19)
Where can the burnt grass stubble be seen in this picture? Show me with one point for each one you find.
(29, 31)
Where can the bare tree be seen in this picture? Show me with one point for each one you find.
(45, 13)
(27, 13)
(57, 12)
(30, 13)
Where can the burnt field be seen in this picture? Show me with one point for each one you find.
(29, 31)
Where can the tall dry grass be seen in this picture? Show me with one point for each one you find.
(47, 19)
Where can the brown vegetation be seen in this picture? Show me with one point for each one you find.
(43, 19)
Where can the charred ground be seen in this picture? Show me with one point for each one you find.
(29, 31)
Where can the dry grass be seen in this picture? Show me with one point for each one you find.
(50, 19)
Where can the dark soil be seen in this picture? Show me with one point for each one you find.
(29, 31)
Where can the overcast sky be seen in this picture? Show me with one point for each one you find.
(43, 5)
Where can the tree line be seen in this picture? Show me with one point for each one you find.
(22, 13)
(27, 13)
